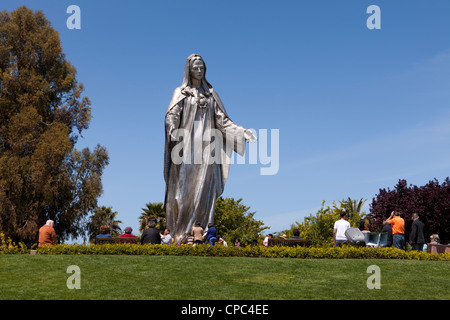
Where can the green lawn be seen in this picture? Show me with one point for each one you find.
(218, 278)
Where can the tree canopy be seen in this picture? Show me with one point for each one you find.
(233, 220)
(153, 211)
(318, 227)
(431, 202)
(103, 216)
(42, 115)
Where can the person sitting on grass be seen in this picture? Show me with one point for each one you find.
(127, 233)
(47, 235)
(222, 242)
(166, 238)
(151, 234)
(296, 236)
(104, 232)
(434, 239)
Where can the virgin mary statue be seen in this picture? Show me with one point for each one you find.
(200, 139)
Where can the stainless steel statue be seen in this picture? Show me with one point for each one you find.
(200, 139)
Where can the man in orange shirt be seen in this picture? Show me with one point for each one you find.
(47, 235)
(398, 229)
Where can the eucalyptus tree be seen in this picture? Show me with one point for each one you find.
(42, 114)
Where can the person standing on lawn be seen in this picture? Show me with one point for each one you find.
(417, 235)
(398, 229)
(211, 235)
(197, 233)
(266, 240)
(339, 229)
(388, 229)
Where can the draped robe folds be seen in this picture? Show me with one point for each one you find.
(195, 182)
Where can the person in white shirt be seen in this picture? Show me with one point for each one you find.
(340, 227)
(166, 238)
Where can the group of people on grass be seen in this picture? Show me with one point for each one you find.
(151, 235)
(296, 236)
(47, 235)
(394, 226)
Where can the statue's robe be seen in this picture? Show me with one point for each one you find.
(194, 183)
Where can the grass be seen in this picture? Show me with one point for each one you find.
(43, 277)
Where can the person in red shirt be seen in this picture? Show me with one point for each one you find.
(127, 233)
(398, 229)
(47, 235)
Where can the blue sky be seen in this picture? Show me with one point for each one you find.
(356, 109)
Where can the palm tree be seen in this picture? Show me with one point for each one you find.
(353, 208)
(104, 216)
(153, 211)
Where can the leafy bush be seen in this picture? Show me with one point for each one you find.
(234, 220)
(346, 252)
(318, 228)
(9, 247)
(431, 202)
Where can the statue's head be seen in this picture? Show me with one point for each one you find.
(195, 68)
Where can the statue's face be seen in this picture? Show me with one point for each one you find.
(197, 70)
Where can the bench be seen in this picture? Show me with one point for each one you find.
(437, 248)
(289, 243)
(375, 239)
(116, 240)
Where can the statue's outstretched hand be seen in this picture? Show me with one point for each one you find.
(249, 136)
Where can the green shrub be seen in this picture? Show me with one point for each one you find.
(7, 246)
(346, 252)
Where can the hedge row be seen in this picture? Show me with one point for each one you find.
(347, 252)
